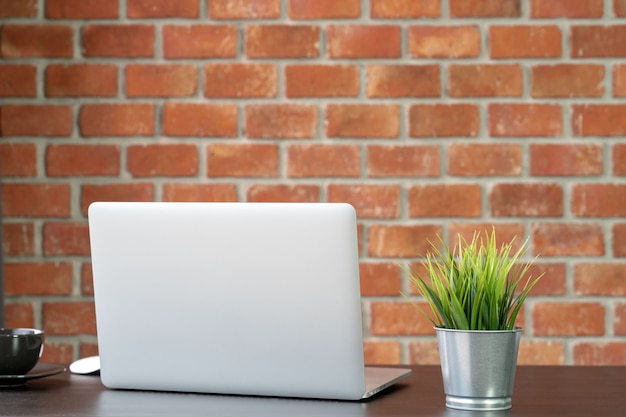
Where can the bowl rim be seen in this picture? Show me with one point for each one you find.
(20, 331)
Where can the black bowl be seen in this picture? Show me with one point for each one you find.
(20, 349)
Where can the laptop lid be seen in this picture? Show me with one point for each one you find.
(232, 298)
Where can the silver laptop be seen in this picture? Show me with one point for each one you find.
(231, 298)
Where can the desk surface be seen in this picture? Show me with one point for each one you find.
(539, 391)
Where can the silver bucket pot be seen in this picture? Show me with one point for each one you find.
(478, 367)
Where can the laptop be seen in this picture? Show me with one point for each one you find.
(255, 299)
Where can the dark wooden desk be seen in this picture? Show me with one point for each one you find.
(539, 391)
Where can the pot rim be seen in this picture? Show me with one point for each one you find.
(516, 329)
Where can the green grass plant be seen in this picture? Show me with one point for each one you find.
(475, 285)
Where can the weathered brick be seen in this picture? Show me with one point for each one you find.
(18, 8)
(380, 279)
(599, 353)
(599, 200)
(278, 41)
(18, 239)
(540, 352)
(600, 278)
(404, 9)
(485, 80)
(136, 191)
(398, 319)
(485, 8)
(142, 9)
(82, 160)
(444, 41)
(599, 119)
(199, 192)
(401, 241)
(242, 160)
(69, 318)
(505, 232)
(58, 352)
(283, 193)
(200, 119)
(484, 159)
(324, 9)
(281, 121)
(534, 41)
(519, 119)
(244, 9)
(316, 160)
(526, 200)
(619, 80)
(567, 239)
(322, 81)
(166, 160)
(81, 80)
(36, 41)
(35, 200)
(199, 41)
(18, 80)
(619, 319)
(403, 161)
(577, 9)
(584, 319)
(444, 120)
(381, 352)
(118, 41)
(619, 159)
(363, 120)
(450, 200)
(66, 239)
(370, 201)
(123, 119)
(86, 279)
(19, 315)
(567, 80)
(566, 160)
(390, 80)
(35, 120)
(363, 41)
(82, 9)
(240, 80)
(598, 41)
(161, 80)
(18, 160)
(424, 352)
(553, 278)
(41, 278)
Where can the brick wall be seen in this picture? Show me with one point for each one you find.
(430, 117)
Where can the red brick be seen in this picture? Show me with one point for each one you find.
(18, 80)
(242, 160)
(45, 278)
(619, 159)
(619, 80)
(424, 352)
(399, 319)
(518, 120)
(280, 41)
(404, 9)
(369, 200)
(135, 191)
(567, 80)
(485, 80)
(281, 121)
(18, 8)
(385, 80)
(380, 279)
(599, 200)
(553, 281)
(317, 160)
(381, 352)
(619, 240)
(363, 41)
(244, 9)
(444, 41)
(199, 192)
(18, 160)
(485, 8)
(583, 319)
(567, 239)
(324, 9)
(86, 279)
(599, 119)
(57, 352)
(159, 80)
(484, 160)
(87, 349)
(18, 239)
(81, 80)
(505, 232)
(363, 120)
(322, 81)
(526, 200)
(450, 200)
(540, 352)
(566, 160)
(124, 119)
(69, 318)
(118, 41)
(240, 80)
(600, 278)
(534, 41)
(283, 193)
(35, 120)
(619, 319)
(82, 160)
(200, 119)
(403, 161)
(35, 200)
(176, 160)
(444, 120)
(576, 9)
(401, 241)
(598, 41)
(67, 238)
(142, 9)
(19, 315)
(36, 41)
(82, 9)
(600, 353)
(199, 41)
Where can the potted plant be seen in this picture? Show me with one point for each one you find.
(475, 291)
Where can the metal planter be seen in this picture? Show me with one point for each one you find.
(478, 367)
